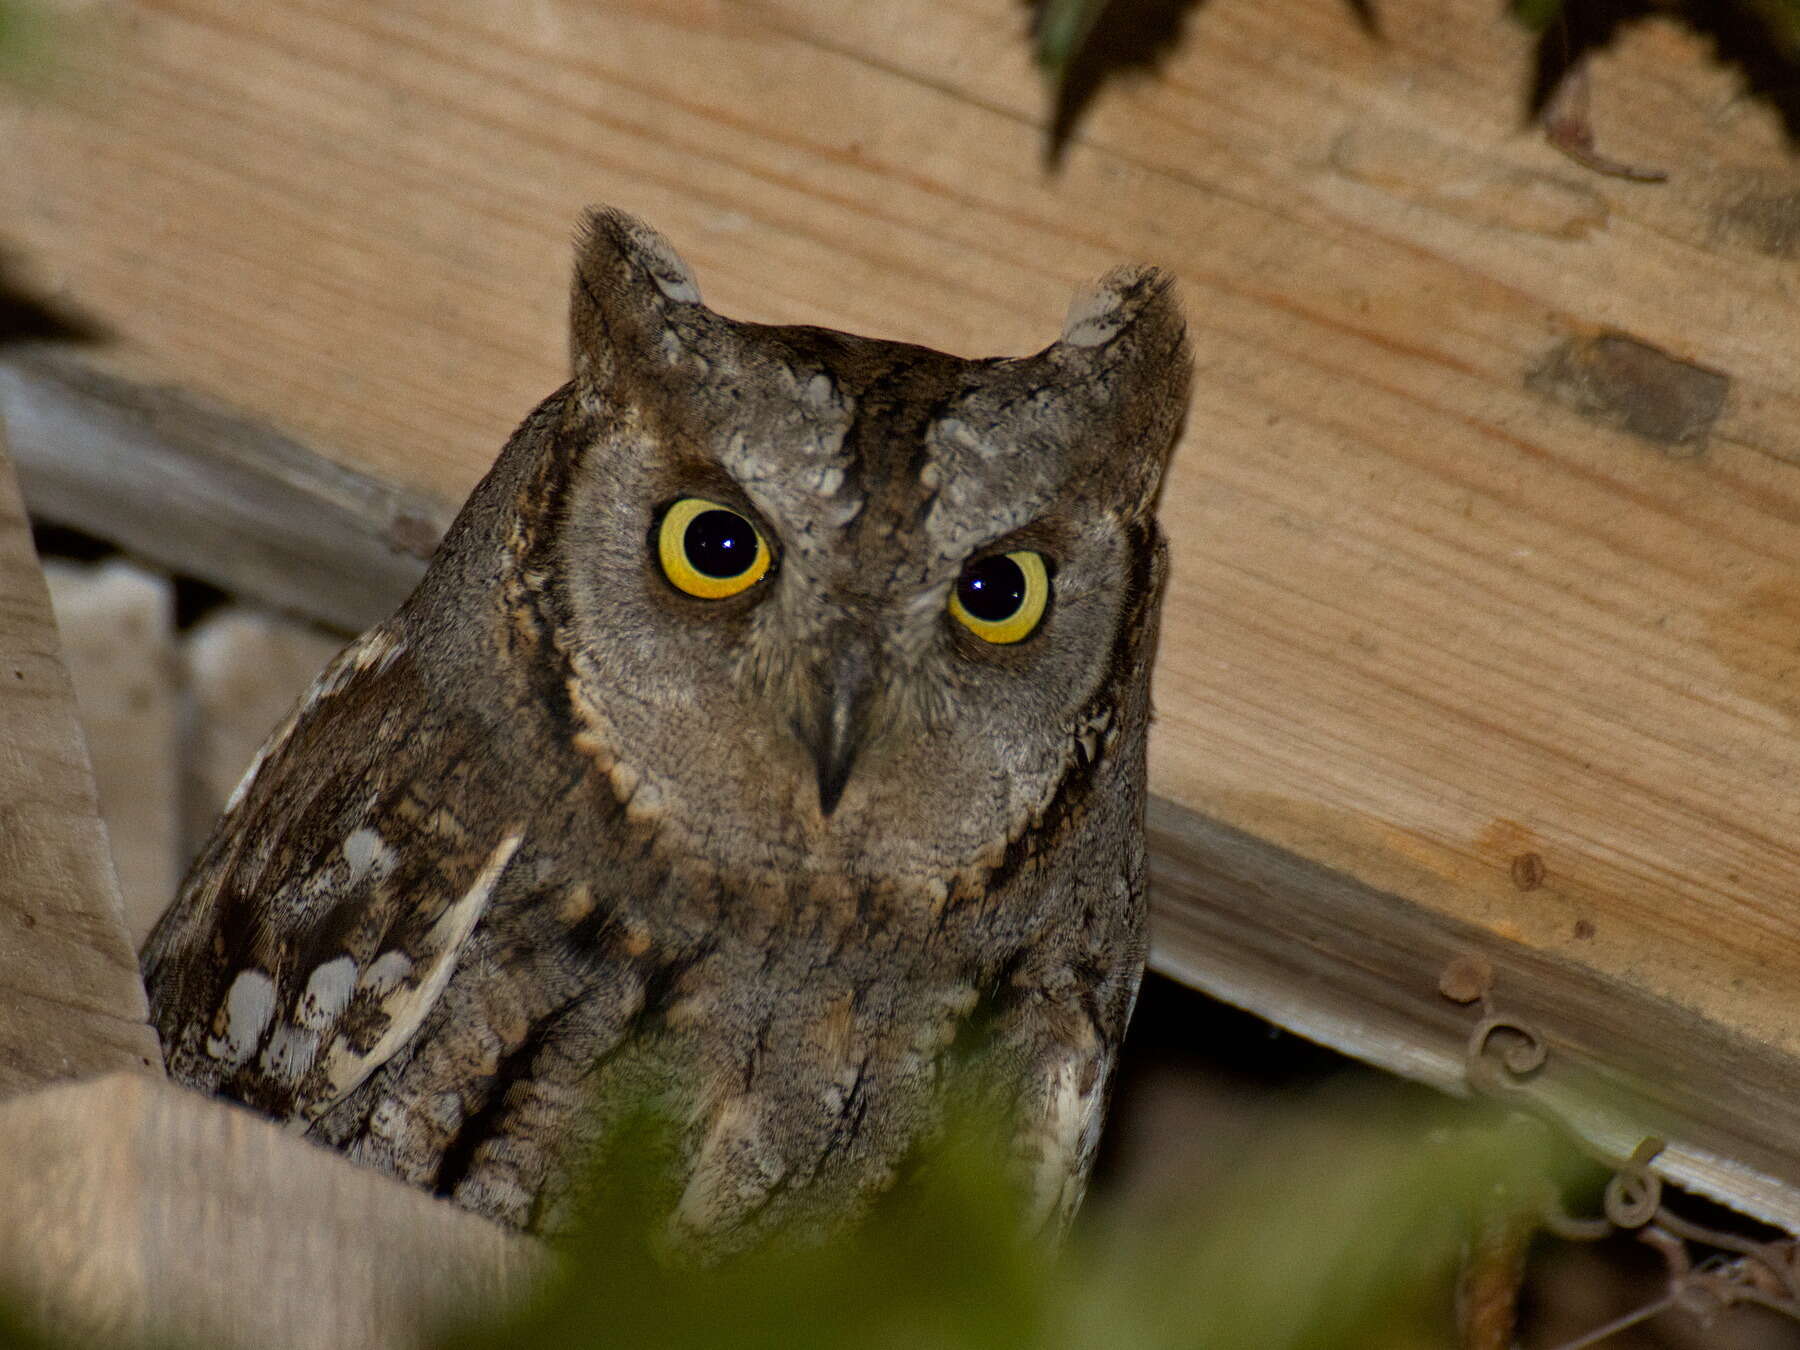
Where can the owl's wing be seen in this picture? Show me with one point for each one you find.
(324, 919)
(1061, 1110)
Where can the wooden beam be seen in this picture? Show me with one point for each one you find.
(71, 1003)
(1484, 600)
(141, 1213)
(116, 621)
(1366, 972)
(209, 493)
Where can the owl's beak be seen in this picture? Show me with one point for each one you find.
(839, 717)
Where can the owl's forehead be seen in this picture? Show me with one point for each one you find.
(898, 455)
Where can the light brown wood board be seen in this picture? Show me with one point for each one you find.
(141, 1213)
(71, 1003)
(1485, 596)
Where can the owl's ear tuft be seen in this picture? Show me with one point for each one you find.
(629, 283)
(1122, 368)
(1123, 299)
(1125, 339)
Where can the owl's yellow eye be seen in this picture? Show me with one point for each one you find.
(1001, 598)
(710, 550)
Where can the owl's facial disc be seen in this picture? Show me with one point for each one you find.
(712, 552)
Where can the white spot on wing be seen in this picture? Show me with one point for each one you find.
(819, 392)
(345, 1066)
(365, 852)
(1093, 319)
(958, 434)
(249, 1004)
(289, 1053)
(735, 1171)
(385, 972)
(1064, 1140)
(680, 289)
(256, 763)
(1061, 1134)
(326, 993)
(376, 650)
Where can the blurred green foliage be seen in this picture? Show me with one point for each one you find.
(1062, 27)
(1342, 1231)
(24, 39)
(1781, 18)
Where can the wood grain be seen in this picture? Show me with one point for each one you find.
(1485, 594)
(71, 1003)
(139, 1211)
(195, 488)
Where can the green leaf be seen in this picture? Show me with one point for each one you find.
(1537, 15)
(1063, 26)
(24, 39)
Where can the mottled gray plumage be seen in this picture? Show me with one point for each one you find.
(559, 836)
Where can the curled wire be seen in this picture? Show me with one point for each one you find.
(1502, 1053)
(1555, 1218)
(1742, 1270)
(1634, 1193)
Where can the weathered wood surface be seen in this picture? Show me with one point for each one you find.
(205, 492)
(1485, 595)
(137, 1210)
(116, 624)
(71, 1003)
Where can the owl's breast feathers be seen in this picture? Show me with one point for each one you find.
(338, 960)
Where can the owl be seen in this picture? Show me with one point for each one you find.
(767, 733)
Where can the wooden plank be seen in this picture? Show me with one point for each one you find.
(1485, 591)
(1340, 962)
(116, 621)
(71, 1003)
(139, 1212)
(210, 493)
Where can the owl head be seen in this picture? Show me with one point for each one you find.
(837, 598)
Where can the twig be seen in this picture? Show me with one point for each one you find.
(1618, 1324)
(1487, 1292)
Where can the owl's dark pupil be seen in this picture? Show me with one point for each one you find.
(720, 544)
(992, 589)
